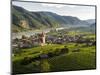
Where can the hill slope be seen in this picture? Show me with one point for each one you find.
(24, 19)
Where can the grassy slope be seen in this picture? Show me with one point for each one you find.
(85, 59)
(73, 61)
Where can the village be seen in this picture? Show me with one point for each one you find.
(43, 38)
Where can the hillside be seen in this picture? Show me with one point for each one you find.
(90, 21)
(83, 59)
(23, 19)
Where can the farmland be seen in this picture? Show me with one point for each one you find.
(77, 56)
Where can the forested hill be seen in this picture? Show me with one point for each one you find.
(23, 19)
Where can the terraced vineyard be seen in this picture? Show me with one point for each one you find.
(77, 58)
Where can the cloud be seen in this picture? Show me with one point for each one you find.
(53, 5)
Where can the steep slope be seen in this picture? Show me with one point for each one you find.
(23, 19)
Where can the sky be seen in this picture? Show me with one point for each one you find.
(82, 12)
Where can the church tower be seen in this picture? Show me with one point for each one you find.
(42, 39)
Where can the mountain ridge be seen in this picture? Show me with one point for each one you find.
(24, 19)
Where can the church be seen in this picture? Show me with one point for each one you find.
(42, 39)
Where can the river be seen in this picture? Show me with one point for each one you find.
(32, 32)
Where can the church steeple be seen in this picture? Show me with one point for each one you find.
(42, 39)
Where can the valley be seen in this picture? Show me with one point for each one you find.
(44, 41)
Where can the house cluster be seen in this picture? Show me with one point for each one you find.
(27, 42)
(43, 39)
(66, 39)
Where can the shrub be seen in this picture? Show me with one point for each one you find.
(64, 50)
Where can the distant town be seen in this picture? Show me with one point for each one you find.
(42, 39)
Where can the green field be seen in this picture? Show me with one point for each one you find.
(73, 60)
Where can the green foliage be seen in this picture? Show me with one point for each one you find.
(36, 20)
(70, 60)
(42, 20)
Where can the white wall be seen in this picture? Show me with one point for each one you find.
(5, 37)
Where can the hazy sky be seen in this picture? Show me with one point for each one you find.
(82, 12)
